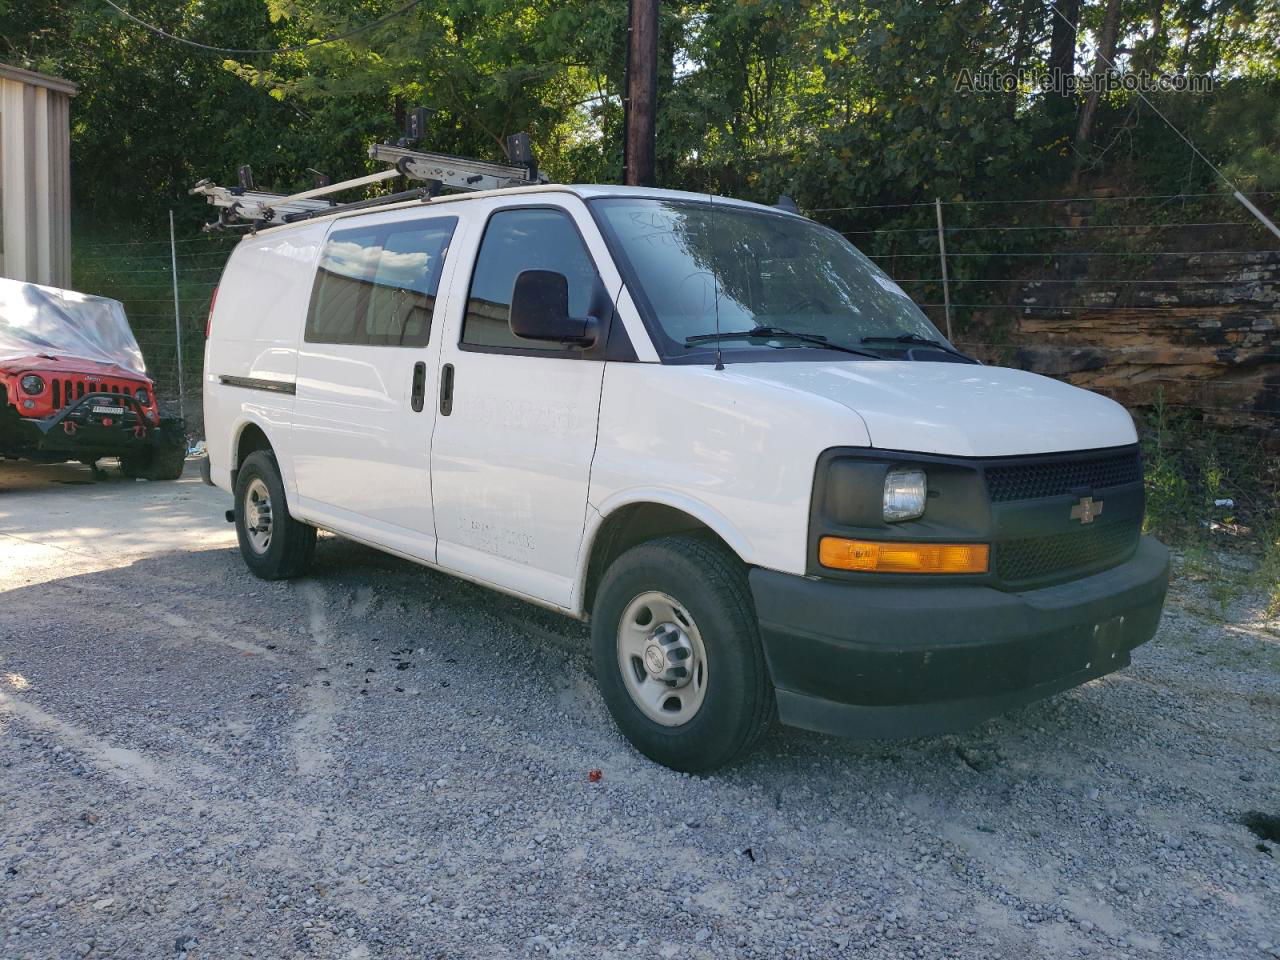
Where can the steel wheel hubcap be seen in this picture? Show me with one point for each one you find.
(662, 659)
(257, 515)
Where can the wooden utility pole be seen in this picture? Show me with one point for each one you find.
(642, 93)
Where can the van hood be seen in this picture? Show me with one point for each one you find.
(956, 409)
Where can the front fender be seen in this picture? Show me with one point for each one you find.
(734, 452)
(598, 515)
(716, 521)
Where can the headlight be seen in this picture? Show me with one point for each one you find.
(904, 494)
(142, 396)
(32, 384)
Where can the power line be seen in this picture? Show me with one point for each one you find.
(1078, 307)
(214, 270)
(1084, 253)
(1244, 201)
(127, 258)
(1048, 228)
(1217, 351)
(1081, 280)
(208, 238)
(973, 203)
(293, 49)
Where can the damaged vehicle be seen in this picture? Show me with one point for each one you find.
(74, 387)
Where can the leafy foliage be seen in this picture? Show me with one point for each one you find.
(849, 106)
(838, 102)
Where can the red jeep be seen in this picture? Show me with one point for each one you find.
(73, 385)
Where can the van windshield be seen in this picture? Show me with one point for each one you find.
(797, 284)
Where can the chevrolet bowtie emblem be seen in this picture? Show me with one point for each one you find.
(1086, 509)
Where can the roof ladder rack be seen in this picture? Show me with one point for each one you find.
(455, 173)
(245, 206)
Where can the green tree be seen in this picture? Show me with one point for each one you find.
(838, 102)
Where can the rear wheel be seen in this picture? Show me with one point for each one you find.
(677, 654)
(274, 545)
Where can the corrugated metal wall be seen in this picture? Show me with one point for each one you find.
(35, 177)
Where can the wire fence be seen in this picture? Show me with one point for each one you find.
(141, 274)
(1107, 276)
(1169, 300)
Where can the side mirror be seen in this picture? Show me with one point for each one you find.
(540, 310)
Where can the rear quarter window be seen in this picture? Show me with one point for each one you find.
(377, 285)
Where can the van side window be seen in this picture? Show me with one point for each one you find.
(533, 238)
(376, 286)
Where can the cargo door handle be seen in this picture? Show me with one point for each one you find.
(418, 398)
(446, 390)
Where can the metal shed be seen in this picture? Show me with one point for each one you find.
(35, 176)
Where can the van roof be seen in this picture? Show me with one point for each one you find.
(585, 191)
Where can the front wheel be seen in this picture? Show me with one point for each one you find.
(677, 654)
(164, 459)
(274, 545)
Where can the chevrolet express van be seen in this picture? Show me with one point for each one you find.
(713, 429)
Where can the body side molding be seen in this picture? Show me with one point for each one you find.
(254, 383)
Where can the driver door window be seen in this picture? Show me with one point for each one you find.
(533, 238)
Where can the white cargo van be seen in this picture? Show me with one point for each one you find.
(713, 428)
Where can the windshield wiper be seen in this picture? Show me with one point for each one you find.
(916, 340)
(815, 339)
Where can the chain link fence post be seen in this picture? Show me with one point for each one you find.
(942, 255)
(177, 319)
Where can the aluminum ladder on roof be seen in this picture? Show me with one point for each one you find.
(245, 206)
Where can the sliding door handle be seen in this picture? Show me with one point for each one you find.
(446, 390)
(418, 399)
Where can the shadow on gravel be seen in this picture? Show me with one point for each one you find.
(370, 590)
(377, 721)
(360, 591)
(19, 476)
(348, 566)
(1264, 826)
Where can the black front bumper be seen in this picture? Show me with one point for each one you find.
(79, 430)
(899, 661)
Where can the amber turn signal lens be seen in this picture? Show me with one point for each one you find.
(873, 556)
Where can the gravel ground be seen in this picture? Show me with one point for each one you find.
(379, 761)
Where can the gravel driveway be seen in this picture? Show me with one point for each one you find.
(379, 761)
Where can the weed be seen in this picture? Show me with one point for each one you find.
(1267, 576)
(1191, 468)
(1171, 512)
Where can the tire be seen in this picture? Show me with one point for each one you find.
(698, 728)
(168, 457)
(284, 548)
(164, 460)
(135, 465)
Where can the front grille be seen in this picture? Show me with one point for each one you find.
(1053, 478)
(1064, 554)
(68, 390)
